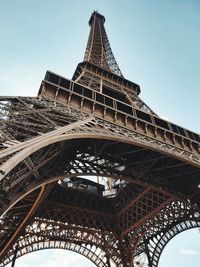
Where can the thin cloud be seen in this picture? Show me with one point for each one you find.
(55, 257)
(189, 252)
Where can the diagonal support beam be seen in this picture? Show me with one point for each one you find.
(23, 223)
(23, 150)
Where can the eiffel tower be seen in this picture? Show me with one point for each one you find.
(94, 125)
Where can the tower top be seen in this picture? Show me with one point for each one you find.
(98, 50)
(94, 15)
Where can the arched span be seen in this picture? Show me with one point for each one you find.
(91, 252)
(21, 151)
(41, 233)
(168, 236)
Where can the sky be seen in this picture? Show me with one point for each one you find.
(156, 44)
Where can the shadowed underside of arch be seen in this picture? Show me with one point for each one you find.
(155, 193)
(59, 222)
(87, 134)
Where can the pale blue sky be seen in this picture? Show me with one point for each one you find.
(156, 44)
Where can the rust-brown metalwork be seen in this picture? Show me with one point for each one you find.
(94, 125)
(98, 50)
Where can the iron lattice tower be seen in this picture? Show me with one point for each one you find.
(94, 125)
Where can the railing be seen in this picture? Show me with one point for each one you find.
(83, 184)
(63, 90)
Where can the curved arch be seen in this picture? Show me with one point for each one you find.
(74, 235)
(92, 253)
(163, 227)
(68, 132)
(168, 236)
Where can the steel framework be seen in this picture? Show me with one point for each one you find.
(94, 125)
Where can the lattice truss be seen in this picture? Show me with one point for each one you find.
(98, 50)
(87, 76)
(42, 144)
